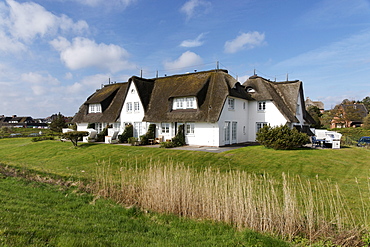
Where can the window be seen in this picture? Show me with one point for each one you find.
(243, 105)
(136, 106)
(137, 129)
(184, 103)
(165, 128)
(129, 106)
(234, 131)
(260, 125)
(94, 108)
(261, 105)
(231, 103)
(189, 128)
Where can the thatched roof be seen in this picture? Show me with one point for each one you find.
(210, 88)
(111, 98)
(283, 94)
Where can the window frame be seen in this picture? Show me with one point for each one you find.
(95, 108)
(190, 128)
(260, 125)
(129, 106)
(231, 103)
(165, 128)
(261, 106)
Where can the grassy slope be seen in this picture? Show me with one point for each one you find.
(34, 214)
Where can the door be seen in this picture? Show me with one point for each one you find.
(233, 132)
(227, 133)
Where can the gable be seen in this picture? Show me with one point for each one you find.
(111, 98)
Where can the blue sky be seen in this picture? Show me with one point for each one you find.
(55, 53)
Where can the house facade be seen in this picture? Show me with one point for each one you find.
(215, 109)
(348, 115)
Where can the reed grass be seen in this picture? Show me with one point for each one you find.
(288, 206)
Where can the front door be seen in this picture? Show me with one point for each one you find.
(227, 133)
(233, 132)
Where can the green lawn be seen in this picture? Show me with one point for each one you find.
(343, 166)
(35, 214)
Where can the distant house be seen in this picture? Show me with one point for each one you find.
(348, 115)
(215, 109)
(318, 104)
(15, 121)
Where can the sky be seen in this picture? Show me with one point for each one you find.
(55, 53)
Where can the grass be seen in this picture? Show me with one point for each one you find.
(347, 167)
(38, 214)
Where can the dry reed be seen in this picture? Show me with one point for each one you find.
(287, 207)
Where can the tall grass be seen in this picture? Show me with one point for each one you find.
(288, 206)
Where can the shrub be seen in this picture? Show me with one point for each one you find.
(150, 134)
(127, 133)
(179, 139)
(167, 145)
(75, 136)
(281, 137)
(132, 140)
(42, 138)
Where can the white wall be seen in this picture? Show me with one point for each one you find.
(133, 116)
(271, 116)
(240, 115)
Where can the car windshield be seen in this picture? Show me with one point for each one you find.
(367, 139)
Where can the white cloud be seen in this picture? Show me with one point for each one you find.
(187, 59)
(192, 8)
(40, 84)
(26, 21)
(84, 53)
(248, 40)
(193, 43)
(333, 11)
(112, 3)
(87, 84)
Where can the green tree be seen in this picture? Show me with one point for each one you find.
(75, 136)
(366, 122)
(315, 113)
(366, 102)
(58, 123)
(281, 137)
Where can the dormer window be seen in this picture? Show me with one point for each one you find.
(184, 103)
(94, 108)
(261, 107)
(251, 90)
(231, 103)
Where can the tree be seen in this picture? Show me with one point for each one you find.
(281, 137)
(366, 123)
(58, 123)
(75, 136)
(315, 113)
(366, 102)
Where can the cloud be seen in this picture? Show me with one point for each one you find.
(40, 84)
(85, 53)
(28, 20)
(248, 40)
(332, 11)
(194, 7)
(193, 43)
(187, 59)
(111, 3)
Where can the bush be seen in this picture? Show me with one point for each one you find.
(150, 134)
(132, 140)
(42, 138)
(127, 133)
(281, 137)
(179, 139)
(167, 145)
(75, 136)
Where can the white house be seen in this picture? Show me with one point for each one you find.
(215, 109)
